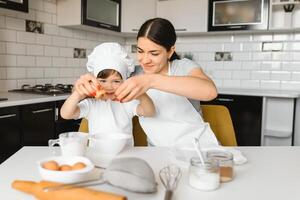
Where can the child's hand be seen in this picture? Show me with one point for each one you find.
(87, 85)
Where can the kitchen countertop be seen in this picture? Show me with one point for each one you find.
(16, 99)
(270, 173)
(256, 92)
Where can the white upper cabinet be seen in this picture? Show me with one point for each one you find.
(93, 15)
(187, 16)
(135, 13)
(284, 14)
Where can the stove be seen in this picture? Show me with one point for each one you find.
(46, 89)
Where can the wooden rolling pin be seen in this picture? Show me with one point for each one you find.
(36, 189)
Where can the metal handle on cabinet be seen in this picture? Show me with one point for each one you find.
(7, 116)
(180, 29)
(235, 27)
(56, 114)
(104, 25)
(135, 29)
(225, 99)
(42, 110)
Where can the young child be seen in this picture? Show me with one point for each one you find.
(111, 65)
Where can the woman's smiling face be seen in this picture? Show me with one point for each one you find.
(152, 57)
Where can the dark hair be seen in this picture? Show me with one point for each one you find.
(107, 72)
(159, 31)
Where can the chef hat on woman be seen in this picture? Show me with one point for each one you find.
(110, 56)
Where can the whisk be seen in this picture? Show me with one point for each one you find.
(170, 176)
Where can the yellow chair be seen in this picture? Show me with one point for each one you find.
(84, 127)
(139, 136)
(219, 118)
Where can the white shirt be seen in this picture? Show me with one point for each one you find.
(177, 121)
(108, 116)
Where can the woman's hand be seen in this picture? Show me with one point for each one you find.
(87, 85)
(133, 87)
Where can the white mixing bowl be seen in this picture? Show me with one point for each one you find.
(108, 144)
(66, 176)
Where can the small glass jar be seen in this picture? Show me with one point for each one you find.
(204, 176)
(225, 162)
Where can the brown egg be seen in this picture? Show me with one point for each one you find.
(65, 168)
(51, 165)
(78, 165)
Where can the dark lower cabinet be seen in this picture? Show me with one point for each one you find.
(246, 114)
(62, 125)
(31, 125)
(38, 123)
(10, 134)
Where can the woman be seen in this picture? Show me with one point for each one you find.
(174, 85)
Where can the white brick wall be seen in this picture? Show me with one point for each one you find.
(8, 35)
(250, 67)
(15, 48)
(43, 61)
(32, 58)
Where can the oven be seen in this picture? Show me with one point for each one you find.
(62, 125)
(234, 15)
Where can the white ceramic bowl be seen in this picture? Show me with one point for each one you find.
(108, 144)
(66, 176)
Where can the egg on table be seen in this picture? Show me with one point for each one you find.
(51, 165)
(78, 165)
(65, 168)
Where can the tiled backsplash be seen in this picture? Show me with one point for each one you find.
(33, 58)
(251, 67)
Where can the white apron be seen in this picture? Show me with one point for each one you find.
(176, 122)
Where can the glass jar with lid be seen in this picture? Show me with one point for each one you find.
(225, 162)
(204, 176)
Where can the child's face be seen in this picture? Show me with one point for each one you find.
(111, 83)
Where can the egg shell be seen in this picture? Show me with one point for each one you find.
(51, 165)
(65, 168)
(78, 165)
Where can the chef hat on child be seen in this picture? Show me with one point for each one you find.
(110, 56)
